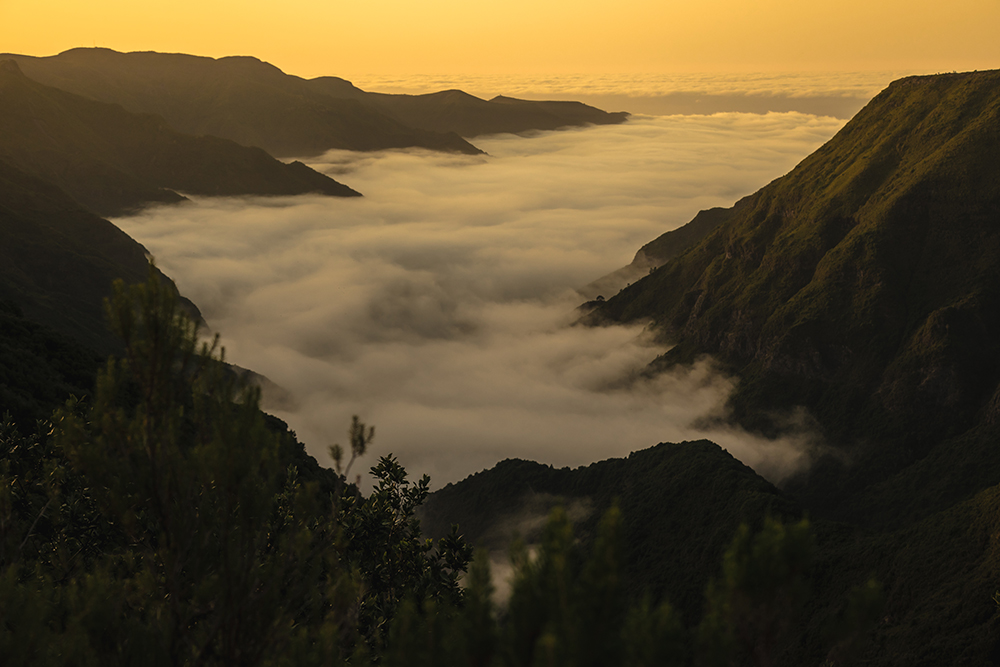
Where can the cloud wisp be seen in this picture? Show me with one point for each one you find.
(437, 307)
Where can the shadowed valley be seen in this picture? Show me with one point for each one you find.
(164, 519)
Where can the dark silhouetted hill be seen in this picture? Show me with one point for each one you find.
(58, 260)
(256, 104)
(680, 504)
(113, 161)
(470, 116)
(238, 98)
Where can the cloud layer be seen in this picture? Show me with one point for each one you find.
(437, 306)
(837, 94)
(797, 84)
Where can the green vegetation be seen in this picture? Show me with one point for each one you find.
(163, 520)
(680, 506)
(752, 607)
(862, 286)
(158, 517)
(659, 251)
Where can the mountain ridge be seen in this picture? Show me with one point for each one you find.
(254, 103)
(818, 289)
(113, 161)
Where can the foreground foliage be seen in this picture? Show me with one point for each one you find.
(165, 521)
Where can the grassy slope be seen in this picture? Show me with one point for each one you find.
(658, 252)
(864, 284)
(665, 247)
(112, 161)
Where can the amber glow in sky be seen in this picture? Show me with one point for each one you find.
(317, 37)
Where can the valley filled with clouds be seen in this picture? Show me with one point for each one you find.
(439, 306)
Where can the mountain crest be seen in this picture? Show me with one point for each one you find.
(864, 284)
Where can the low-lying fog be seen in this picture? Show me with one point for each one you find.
(436, 306)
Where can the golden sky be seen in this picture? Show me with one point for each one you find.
(317, 37)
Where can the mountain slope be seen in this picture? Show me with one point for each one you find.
(256, 104)
(58, 260)
(238, 98)
(659, 251)
(680, 506)
(864, 284)
(680, 503)
(113, 161)
(470, 116)
(39, 368)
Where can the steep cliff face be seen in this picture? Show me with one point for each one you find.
(863, 284)
(256, 104)
(659, 251)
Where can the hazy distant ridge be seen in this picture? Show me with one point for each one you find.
(256, 104)
(113, 161)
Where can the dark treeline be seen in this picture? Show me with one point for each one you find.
(163, 519)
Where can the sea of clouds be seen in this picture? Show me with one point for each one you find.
(438, 307)
(838, 94)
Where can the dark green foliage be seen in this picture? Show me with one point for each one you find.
(217, 532)
(567, 608)
(359, 439)
(680, 505)
(39, 368)
(164, 522)
(753, 607)
(654, 636)
(852, 628)
(383, 540)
